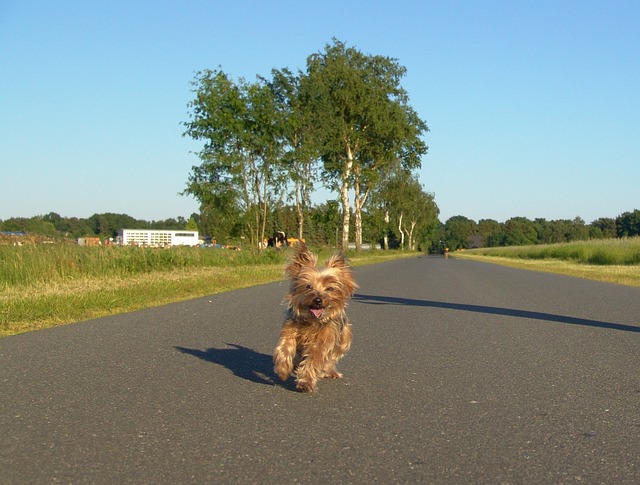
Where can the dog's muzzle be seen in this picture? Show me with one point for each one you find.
(316, 309)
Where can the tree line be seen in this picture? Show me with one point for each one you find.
(322, 227)
(104, 225)
(460, 232)
(344, 123)
(324, 223)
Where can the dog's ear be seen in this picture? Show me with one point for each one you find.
(301, 259)
(340, 263)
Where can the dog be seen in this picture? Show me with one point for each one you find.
(317, 332)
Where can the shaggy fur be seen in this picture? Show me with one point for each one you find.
(317, 332)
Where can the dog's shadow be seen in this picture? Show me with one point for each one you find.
(243, 362)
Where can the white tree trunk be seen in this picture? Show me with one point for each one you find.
(299, 210)
(344, 197)
(385, 237)
(358, 214)
(412, 243)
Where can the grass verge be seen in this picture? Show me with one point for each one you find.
(621, 274)
(39, 303)
(599, 252)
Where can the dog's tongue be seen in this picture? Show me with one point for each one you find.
(317, 312)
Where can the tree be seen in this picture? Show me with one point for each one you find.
(299, 157)
(243, 147)
(520, 231)
(421, 216)
(364, 123)
(386, 201)
(109, 223)
(191, 225)
(490, 231)
(403, 204)
(15, 224)
(458, 230)
(628, 224)
(69, 226)
(325, 222)
(392, 141)
(577, 230)
(38, 225)
(548, 232)
(605, 227)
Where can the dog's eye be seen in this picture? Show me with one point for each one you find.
(330, 288)
(308, 287)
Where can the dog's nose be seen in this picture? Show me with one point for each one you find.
(317, 301)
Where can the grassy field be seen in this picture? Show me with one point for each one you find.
(611, 260)
(46, 285)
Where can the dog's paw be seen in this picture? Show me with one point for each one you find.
(305, 386)
(283, 371)
(330, 372)
(334, 374)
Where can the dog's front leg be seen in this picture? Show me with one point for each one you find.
(316, 361)
(344, 342)
(307, 373)
(284, 353)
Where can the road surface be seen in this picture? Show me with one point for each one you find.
(460, 372)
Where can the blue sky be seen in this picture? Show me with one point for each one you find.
(533, 106)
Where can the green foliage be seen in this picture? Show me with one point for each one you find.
(192, 225)
(359, 105)
(365, 125)
(325, 223)
(241, 168)
(36, 225)
(403, 211)
(624, 251)
(628, 224)
(107, 225)
(491, 232)
(458, 231)
(520, 231)
(103, 225)
(560, 231)
(298, 132)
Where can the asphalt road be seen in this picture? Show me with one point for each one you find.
(460, 372)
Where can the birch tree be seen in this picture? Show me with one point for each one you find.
(406, 208)
(394, 141)
(420, 214)
(300, 154)
(337, 110)
(364, 121)
(242, 146)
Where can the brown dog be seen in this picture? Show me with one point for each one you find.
(317, 332)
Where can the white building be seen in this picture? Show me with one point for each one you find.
(157, 238)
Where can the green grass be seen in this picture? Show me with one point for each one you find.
(611, 260)
(48, 285)
(598, 252)
(37, 264)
